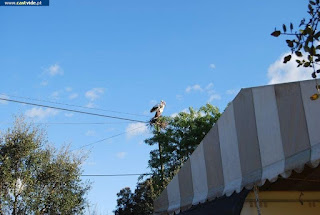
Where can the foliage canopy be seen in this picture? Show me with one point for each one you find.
(181, 135)
(35, 178)
(305, 43)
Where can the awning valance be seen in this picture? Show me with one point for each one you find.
(265, 132)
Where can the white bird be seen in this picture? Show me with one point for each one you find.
(158, 108)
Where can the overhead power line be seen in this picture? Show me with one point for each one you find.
(78, 123)
(74, 111)
(70, 105)
(116, 175)
(116, 135)
(71, 123)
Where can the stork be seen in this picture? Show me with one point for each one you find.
(158, 108)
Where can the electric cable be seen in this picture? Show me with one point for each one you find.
(88, 113)
(115, 175)
(79, 106)
(98, 141)
(72, 123)
(74, 111)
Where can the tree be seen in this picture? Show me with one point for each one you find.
(139, 202)
(305, 44)
(178, 140)
(36, 178)
(124, 202)
(143, 197)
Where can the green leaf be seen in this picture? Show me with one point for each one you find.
(290, 43)
(291, 26)
(317, 35)
(284, 28)
(53, 175)
(299, 54)
(302, 22)
(306, 48)
(306, 64)
(287, 58)
(314, 97)
(276, 33)
(314, 75)
(308, 30)
(310, 58)
(312, 2)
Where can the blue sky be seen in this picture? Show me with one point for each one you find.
(126, 56)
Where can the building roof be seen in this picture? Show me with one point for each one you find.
(265, 132)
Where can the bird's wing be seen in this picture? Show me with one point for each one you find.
(154, 108)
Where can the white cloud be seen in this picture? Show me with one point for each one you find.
(4, 97)
(110, 129)
(209, 86)
(55, 94)
(44, 83)
(54, 70)
(73, 96)
(195, 87)
(90, 105)
(212, 66)
(68, 114)
(279, 72)
(90, 133)
(121, 155)
(186, 110)
(179, 97)
(89, 163)
(174, 115)
(68, 89)
(94, 93)
(214, 96)
(232, 91)
(135, 129)
(153, 102)
(41, 113)
(208, 90)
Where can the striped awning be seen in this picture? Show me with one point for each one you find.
(265, 132)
